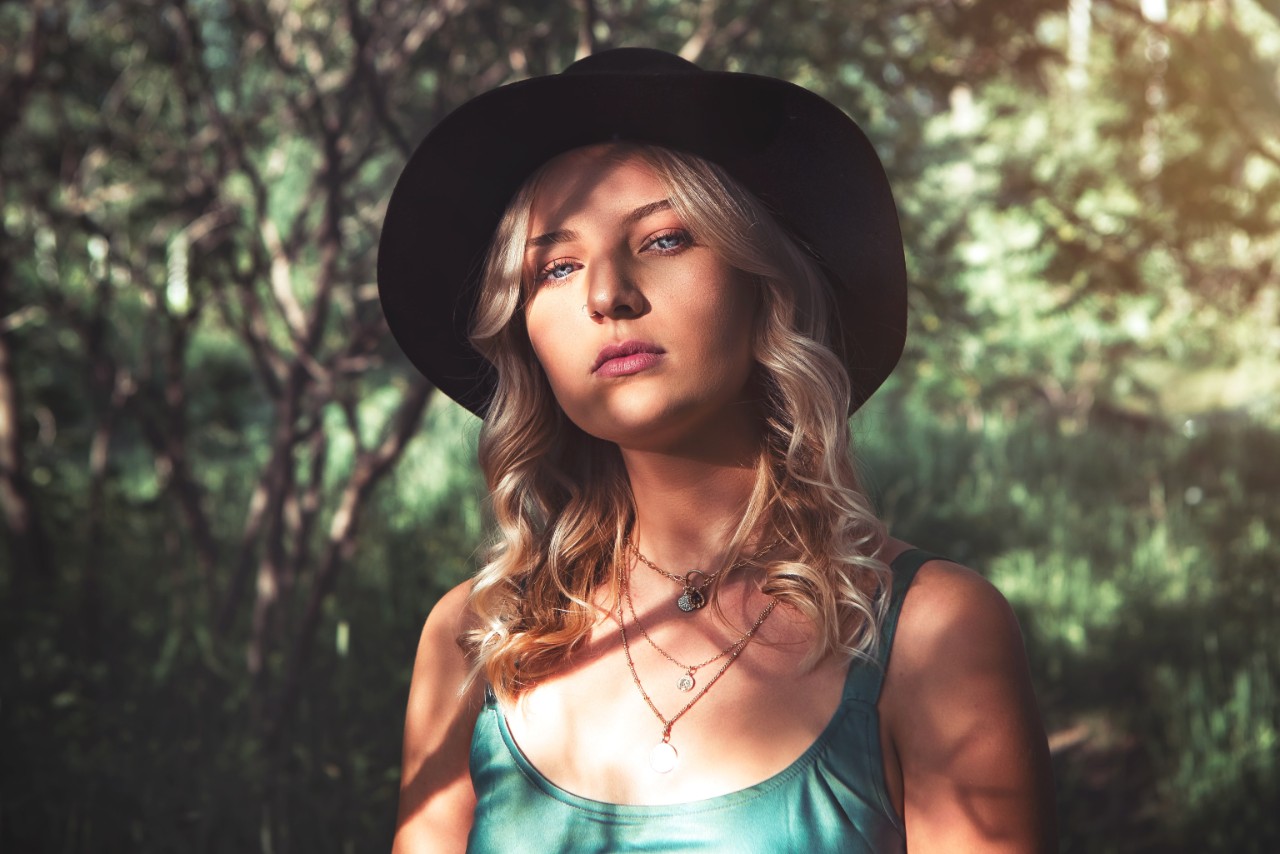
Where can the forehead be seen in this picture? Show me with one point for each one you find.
(598, 181)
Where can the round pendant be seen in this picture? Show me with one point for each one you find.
(691, 600)
(662, 758)
(685, 682)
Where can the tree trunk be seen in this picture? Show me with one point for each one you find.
(27, 543)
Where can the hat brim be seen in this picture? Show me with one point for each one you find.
(800, 155)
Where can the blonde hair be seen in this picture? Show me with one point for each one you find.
(561, 500)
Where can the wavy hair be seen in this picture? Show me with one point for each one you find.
(561, 500)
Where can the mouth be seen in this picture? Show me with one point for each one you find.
(626, 357)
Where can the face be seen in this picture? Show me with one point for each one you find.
(643, 331)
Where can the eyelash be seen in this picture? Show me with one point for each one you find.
(544, 274)
(662, 235)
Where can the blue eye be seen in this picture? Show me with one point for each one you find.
(557, 270)
(669, 241)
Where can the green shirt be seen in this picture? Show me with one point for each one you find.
(832, 799)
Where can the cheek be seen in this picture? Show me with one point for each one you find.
(551, 349)
(542, 336)
(729, 318)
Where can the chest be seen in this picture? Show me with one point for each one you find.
(592, 732)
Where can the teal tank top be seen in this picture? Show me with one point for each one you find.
(832, 799)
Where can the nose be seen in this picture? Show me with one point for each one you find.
(613, 294)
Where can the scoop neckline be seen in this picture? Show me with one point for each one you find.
(714, 802)
(738, 796)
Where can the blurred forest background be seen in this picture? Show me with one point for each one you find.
(228, 503)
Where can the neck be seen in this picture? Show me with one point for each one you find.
(689, 505)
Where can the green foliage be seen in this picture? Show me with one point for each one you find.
(1138, 561)
(141, 741)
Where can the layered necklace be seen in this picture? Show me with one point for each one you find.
(693, 582)
(687, 683)
(663, 756)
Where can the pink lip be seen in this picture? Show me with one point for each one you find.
(626, 357)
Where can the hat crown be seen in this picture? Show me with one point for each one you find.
(632, 60)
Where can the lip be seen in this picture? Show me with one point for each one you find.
(626, 357)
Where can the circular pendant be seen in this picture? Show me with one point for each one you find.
(691, 600)
(685, 682)
(662, 758)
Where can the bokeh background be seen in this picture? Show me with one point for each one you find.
(228, 503)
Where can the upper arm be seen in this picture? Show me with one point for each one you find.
(963, 721)
(436, 797)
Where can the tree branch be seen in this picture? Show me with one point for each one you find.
(370, 467)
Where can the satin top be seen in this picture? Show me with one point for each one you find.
(831, 799)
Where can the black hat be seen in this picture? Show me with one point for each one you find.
(798, 153)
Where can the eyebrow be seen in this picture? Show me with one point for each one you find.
(565, 235)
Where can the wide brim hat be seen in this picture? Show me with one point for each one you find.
(807, 161)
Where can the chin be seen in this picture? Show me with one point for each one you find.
(624, 417)
(632, 430)
(647, 424)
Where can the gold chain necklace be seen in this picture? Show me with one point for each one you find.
(686, 682)
(691, 596)
(663, 756)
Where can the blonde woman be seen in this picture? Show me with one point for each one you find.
(665, 290)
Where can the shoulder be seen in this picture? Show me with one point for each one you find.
(446, 622)
(441, 667)
(952, 615)
(957, 647)
(963, 721)
(436, 798)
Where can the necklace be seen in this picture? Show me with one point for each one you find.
(691, 596)
(663, 756)
(686, 682)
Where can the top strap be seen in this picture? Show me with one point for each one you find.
(866, 677)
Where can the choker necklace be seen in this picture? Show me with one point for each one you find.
(686, 682)
(691, 596)
(663, 756)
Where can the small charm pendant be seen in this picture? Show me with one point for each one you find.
(685, 683)
(663, 757)
(691, 600)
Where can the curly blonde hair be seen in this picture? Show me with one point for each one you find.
(561, 500)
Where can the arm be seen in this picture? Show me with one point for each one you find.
(436, 798)
(963, 722)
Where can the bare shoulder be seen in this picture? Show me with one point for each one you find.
(448, 619)
(441, 668)
(948, 603)
(436, 797)
(963, 720)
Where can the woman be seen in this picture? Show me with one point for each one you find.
(682, 282)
